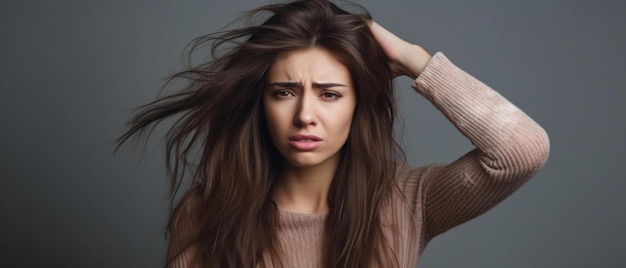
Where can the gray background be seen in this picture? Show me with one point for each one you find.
(71, 70)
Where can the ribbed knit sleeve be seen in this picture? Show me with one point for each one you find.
(510, 148)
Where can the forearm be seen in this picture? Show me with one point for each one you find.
(505, 135)
(404, 58)
(510, 146)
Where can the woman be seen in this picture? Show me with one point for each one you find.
(296, 161)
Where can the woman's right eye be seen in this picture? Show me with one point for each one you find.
(283, 93)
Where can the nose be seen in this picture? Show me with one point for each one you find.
(305, 115)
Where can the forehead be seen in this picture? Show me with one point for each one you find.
(311, 64)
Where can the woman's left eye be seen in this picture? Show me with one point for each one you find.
(330, 95)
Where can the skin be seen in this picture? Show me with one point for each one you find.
(404, 58)
(308, 92)
(303, 184)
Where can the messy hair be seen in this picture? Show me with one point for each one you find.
(225, 216)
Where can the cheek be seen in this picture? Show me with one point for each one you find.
(348, 112)
(275, 118)
(343, 119)
(347, 123)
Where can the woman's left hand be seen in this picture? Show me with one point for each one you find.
(404, 58)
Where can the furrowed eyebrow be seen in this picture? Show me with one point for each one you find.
(327, 85)
(287, 84)
(298, 85)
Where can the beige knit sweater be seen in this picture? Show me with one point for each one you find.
(510, 148)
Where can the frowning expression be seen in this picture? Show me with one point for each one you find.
(309, 101)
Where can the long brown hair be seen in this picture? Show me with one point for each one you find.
(226, 217)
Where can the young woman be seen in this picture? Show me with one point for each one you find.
(290, 135)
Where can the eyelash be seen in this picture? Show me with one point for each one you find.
(331, 95)
(282, 93)
(327, 95)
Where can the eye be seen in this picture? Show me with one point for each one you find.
(282, 94)
(331, 95)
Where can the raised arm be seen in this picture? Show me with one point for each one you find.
(404, 58)
(510, 146)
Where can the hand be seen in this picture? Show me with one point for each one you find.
(404, 58)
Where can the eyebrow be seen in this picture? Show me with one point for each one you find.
(299, 85)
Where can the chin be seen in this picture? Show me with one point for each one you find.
(310, 159)
(304, 162)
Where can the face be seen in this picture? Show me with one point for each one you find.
(309, 101)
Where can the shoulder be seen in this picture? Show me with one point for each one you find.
(408, 176)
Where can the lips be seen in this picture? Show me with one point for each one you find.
(305, 142)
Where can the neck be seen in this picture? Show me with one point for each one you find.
(305, 189)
